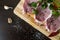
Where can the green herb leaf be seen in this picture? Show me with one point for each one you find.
(55, 13)
(40, 0)
(57, 3)
(35, 11)
(49, 1)
(44, 5)
(51, 7)
(33, 4)
(59, 8)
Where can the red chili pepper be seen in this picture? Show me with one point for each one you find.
(53, 34)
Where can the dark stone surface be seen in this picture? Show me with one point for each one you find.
(18, 29)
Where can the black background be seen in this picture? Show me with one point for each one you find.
(18, 29)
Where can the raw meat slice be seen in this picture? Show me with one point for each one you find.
(43, 14)
(53, 25)
(28, 8)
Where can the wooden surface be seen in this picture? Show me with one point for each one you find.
(20, 13)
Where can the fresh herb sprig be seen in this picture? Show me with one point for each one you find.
(51, 7)
(35, 11)
(59, 8)
(33, 4)
(44, 5)
(49, 1)
(55, 13)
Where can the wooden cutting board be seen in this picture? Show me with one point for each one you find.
(20, 13)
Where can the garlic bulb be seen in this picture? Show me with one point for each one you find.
(7, 7)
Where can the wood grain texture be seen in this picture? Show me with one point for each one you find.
(20, 13)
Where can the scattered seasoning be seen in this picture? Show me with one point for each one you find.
(58, 37)
(44, 5)
(42, 25)
(9, 20)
